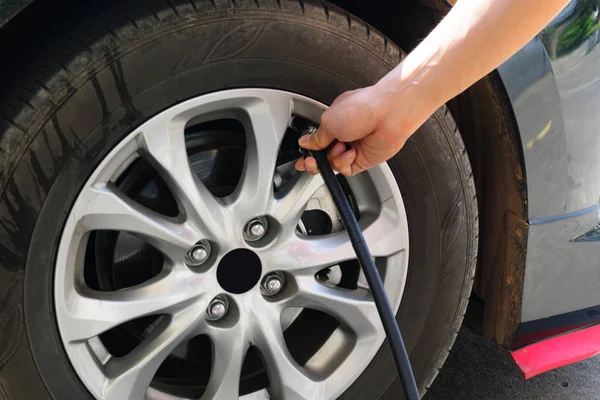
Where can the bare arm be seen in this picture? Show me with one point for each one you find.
(474, 39)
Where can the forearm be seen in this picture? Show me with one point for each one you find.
(474, 39)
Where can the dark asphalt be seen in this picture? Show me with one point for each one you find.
(478, 369)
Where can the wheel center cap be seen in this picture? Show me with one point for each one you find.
(239, 271)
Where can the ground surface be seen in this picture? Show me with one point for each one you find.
(478, 369)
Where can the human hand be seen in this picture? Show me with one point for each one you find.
(374, 121)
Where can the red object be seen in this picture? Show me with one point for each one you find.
(558, 351)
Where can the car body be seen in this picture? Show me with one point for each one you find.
(538, 281)
(554, 82)
(557, 83)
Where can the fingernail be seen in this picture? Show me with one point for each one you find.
(304, 140)
(347, 156)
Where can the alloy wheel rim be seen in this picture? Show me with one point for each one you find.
(181, 293)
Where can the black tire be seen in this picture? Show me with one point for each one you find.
(93, 87)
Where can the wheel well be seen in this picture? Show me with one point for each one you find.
(483, 114)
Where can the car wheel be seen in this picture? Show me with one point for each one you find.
(156, 241)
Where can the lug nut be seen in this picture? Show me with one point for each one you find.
(272, 284)
(255, 229)
(199, 253)
(217, 308)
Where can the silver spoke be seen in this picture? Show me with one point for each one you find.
(129, 377)
(164, 142)
(289, 381)
(230, 348)
(384, 234)
(104, 207)
(269, 117)
(354, 308)
(308, 254)
(289, 208)
(90, 313)
(313, 252)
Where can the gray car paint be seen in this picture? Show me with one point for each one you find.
(556, 102)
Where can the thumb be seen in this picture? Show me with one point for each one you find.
(316, 141)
